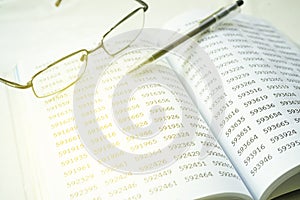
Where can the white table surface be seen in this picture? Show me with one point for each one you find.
(34, 31)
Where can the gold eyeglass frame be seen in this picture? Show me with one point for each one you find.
(144, 7)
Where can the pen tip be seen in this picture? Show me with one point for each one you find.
(240, 2)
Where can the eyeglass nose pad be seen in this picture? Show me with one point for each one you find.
(83, 58)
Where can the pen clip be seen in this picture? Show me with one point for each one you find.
(220, 20)
(223, 14)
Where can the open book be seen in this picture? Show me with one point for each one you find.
(231, 132)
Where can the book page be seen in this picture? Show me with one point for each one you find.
(258, 122)
(165, 160)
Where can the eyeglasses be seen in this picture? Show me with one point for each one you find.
(66, 71)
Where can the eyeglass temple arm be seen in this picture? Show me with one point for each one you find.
(57, 3)
(15, 85)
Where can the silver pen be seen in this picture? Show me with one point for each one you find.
(203, 25)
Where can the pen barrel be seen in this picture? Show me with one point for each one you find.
(215, 19)
(204, 25)
(225, 14)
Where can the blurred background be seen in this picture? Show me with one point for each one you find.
(34, 32)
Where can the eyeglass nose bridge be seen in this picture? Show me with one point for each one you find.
(100, 45)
